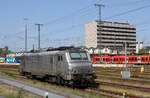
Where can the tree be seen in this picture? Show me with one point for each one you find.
(143, 51)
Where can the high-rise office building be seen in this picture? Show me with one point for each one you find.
(112, 35)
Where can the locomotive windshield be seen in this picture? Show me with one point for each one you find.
(78, 56)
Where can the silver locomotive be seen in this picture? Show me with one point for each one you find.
(72, 66)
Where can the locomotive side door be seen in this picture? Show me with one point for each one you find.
(56, 65)
(59, 64)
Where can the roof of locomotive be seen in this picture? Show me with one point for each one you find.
(53, 52)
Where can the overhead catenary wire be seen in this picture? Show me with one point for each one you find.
(126, 4)
(81, 10)
(127, 12)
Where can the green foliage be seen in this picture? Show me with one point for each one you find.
(143, 51)
(94, 95)
(10, 96)
(21, 93)
(34, 81)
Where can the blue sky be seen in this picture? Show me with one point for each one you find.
(64, 20)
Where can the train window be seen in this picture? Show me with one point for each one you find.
(103, 59)
(142, 59)
(107, 59)
(145, 59)
(97, 59)
(129, 59)
(59, 58)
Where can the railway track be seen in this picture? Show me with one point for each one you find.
(117, 69)
(102, 92)
(137, 81)
(32, 88)
(113, 94)
(9, 66)
(107, 93)
(143, 89)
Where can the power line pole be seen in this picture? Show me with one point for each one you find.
(99, 6)
(26, 19)
(125, 52)
(33, 47)
(39, 25)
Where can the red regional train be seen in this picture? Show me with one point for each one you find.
(145, 59)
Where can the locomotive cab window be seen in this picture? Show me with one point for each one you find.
(78, 56)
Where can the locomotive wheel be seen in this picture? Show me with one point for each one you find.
(62, 81)
(21, 72)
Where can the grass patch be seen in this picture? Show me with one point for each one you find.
(9, 74)
(89, 94)
(21, 93)
(53, 86)
(10, 92)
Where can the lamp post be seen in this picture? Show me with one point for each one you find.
(25, 20)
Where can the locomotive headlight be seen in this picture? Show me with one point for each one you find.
(74, 71)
